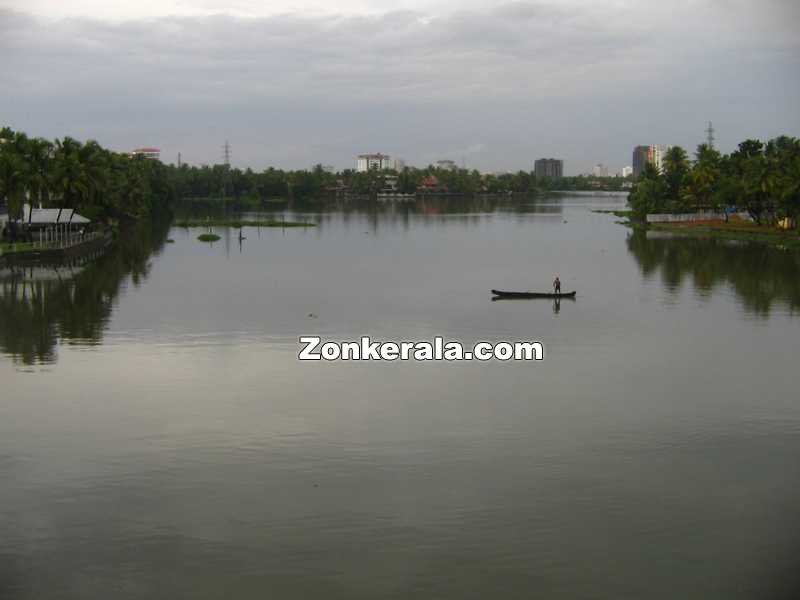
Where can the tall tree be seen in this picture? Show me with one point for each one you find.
(676, 168)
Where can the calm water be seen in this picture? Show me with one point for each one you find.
(160, 439)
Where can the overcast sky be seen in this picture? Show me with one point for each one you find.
(493, 84)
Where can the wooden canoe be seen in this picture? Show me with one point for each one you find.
(501, 294)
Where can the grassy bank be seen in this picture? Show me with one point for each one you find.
(238, 223)
(6, 248)
(733, 230)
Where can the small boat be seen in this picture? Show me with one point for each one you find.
(499, 294)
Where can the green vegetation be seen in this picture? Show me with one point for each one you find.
(623, 214)
(761, 179)
(733, 230)
(206, 186)
(239, 223)
(65, 173)
(8, 248)
(105, 185)
(585, 183)
(208, 237)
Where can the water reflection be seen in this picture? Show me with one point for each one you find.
(40, 304)
(760, 275)
(322, 210)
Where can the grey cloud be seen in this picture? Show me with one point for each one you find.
(522, 79)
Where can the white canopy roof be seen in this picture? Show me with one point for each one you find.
(52, 216)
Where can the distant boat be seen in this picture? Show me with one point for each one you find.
(500, 294)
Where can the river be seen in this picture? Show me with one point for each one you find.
(159, 437)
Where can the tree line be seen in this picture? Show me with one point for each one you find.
(248, 186)
(66, 173)
(100, 183)
(762, 179)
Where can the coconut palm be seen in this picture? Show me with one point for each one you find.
(676, 168)
(68, 179)
(39, 156)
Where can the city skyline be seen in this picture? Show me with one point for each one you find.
(486, 85)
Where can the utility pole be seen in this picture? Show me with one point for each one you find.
(179, 160)
(710, 135)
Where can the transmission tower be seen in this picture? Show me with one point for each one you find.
(710, 135)
(226, 158)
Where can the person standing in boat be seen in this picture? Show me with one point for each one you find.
(557, 285)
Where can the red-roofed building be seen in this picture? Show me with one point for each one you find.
(431, 184)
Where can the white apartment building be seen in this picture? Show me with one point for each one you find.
(367, 162)
(600, 170)
(657, 154)
(151, 153)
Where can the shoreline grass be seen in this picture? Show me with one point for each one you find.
(732, 230)
(239, 223)
(737, 230)
(11, 248)
(623, 214)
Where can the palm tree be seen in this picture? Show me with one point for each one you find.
(14, 172)
(704, 177)
(39, 157)
(676, 168)
(68, 179)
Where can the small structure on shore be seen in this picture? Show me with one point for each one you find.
(38, 218)
(61, 225)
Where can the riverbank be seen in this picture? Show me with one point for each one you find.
(239, 223)
(734, 229)
(27, 253)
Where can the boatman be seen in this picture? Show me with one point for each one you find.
(557, 285)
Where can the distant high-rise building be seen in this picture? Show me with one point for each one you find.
(549, 167)
(639, 159)
(657, 154)
(367, 162)
(600, 170)
(151, 153)
(399, 164)
(653, 154)
(626, 171)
